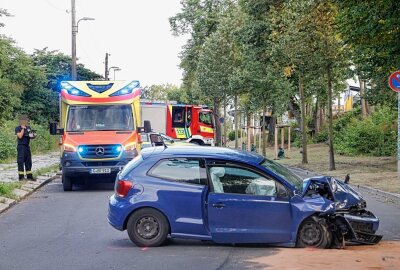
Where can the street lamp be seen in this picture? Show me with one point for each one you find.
(115, 69)
(74, 32)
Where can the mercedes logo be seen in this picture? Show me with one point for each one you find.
(99, 151)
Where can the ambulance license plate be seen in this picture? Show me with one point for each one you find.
(100, 170)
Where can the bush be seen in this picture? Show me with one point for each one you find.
(375, 135)
(231, 135)
(321, 137)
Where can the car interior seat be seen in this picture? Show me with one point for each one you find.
(216, 173)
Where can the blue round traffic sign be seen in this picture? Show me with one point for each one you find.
(394, 81)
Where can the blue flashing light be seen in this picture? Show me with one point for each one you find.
(74, 92)
(126, 89)
(66, 86)
(81, 149)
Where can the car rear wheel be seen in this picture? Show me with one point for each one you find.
(148, 228)
(314, 232)
(67, 183)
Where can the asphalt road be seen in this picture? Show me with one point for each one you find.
(53, 229)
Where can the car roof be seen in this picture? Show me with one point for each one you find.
(203, 151)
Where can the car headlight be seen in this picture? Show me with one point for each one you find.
(130, 147)
(68, 148)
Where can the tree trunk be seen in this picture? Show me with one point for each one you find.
(303, 120)
(330, 129)
(225, 135)
(364, 111)
(217, 123)
(271, 128)
(248, 119)
(263, 139)
(294, 110)
(236, 121)
(322, 117)
(316, 117)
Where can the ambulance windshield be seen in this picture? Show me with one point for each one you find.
(100, 117)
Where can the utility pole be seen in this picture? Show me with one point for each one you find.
(74, 32)
(106, 67)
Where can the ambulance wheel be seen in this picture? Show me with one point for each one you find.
(67, 183)
(196, 142)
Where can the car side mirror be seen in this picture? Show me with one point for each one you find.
(54, 130)
(281, 191)
(156, 139)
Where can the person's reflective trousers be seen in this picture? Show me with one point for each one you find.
(24, 159)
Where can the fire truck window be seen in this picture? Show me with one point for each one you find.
(178, 116)
(206, 118)
(189, 117)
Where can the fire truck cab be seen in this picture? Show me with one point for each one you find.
(99, 128)
(193, 123)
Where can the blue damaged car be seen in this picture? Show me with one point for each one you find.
(229, 196)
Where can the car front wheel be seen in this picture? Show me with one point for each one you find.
(314, 232)
(147, 227)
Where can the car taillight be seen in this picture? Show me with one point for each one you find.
(123, 187)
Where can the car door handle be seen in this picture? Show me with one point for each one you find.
(218, 205)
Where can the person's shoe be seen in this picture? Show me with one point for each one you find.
(21, 177)
(30, 177)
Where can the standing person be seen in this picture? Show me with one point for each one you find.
(24, 134)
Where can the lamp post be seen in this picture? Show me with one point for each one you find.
(74, 32)
(115, 69)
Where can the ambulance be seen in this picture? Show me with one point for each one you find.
(99, 129)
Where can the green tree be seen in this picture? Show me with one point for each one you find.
(199, 18)
(57, 67)
(4, 13)
(164, 92)
(370, 28)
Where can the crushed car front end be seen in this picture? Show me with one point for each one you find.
(344, 210)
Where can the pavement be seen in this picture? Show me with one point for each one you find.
(53, 229)
(9, 172)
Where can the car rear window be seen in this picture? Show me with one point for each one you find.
(178, 169)
(131, 165)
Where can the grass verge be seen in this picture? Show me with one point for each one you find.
(375, 172)
(7, 188)
(51, 169)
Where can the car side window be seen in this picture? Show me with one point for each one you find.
(184, 170)
(226, 179)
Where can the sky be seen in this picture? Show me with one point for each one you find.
(135, 32)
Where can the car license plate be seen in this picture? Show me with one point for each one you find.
(100, 170)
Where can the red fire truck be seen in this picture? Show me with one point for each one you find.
(193, 123)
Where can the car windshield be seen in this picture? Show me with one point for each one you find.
(283, 172)
(206, 118)
(100, 117)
